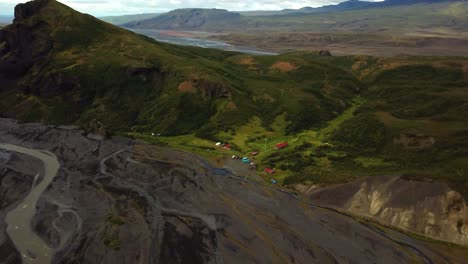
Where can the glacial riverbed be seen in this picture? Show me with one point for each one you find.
(31, 247)
(189, 38)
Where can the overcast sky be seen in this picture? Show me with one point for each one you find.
(119, 7)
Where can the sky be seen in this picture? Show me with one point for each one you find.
(120, 7)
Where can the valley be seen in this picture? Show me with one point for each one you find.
(421, 28)
(347, 145)
(175, 205)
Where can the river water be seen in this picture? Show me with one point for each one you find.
(31, 247)
(180, 39)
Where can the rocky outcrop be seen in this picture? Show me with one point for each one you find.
(213, 89)
(24, 42)
(428, 208)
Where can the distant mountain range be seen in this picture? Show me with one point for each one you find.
(190, 19)
(393, 16)
(139, 20)
(346, 5)
(5, 20)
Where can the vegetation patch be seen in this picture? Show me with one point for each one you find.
(113, 242)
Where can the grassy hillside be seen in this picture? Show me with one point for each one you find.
(344, 117)
(103, 77)
(410, 119)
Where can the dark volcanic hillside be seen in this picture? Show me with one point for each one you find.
(121, 201)
(60, 66)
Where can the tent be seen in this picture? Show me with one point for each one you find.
(246, 160)
(281, 145)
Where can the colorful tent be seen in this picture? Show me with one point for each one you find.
(282, 145)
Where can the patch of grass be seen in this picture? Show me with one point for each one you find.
(115, 220)
(368, 162)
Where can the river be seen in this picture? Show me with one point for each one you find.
(31, 247)
(198, 39)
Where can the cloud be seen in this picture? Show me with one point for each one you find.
(119, 7)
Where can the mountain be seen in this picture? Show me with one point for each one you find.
(188, 19)
(436, 19)
(118, 20)
(346, 5)
(60, 66)
(344, 118)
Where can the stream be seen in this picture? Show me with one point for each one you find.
(31, 247)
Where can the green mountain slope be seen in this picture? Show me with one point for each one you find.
(60, 66)
(344, 117)
(411, 120)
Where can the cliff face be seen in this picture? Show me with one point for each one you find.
(24, 42)
(427, 208)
